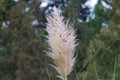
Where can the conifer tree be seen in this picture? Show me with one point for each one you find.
(25, 50)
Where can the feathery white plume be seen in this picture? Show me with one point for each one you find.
(61, 39)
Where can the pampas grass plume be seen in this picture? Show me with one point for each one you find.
(61, 39)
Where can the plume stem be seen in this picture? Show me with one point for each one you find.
(65, 77)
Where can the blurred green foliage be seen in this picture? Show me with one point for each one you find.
(22, 44)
